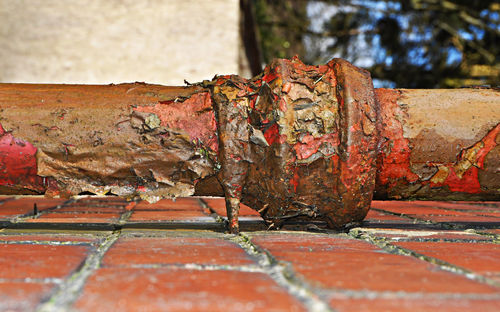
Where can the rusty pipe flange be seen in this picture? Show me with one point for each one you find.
(358, 141)
(303, 142)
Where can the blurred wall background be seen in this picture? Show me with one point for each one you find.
(111, 41)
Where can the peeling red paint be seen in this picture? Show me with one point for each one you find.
(286, 87)
(18, 166)
(270, 77)
(394, 155)
(272, 134)
(310, 145)
(469, 181)
(194, 115)
(294, 182)
(490, 143)
(141, 188)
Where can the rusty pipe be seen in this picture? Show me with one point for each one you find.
(439, 144)
(297, 141)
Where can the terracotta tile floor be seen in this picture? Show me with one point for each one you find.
(106, 254)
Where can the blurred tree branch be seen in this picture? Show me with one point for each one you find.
(406, 43)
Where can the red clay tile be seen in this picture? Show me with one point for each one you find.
(55, 217)
(104, 198)
(170, 215)
(374, 215)
(470, 218)
(175, 250)
(477, 206)
(485, 203)
(25, 205)
(430, 211)
(99, 204)
(436, 210)
(458, 205)
(489, 214)
(39, 261)
(182, 209)
(416, 210)
(337, 262)
(17, 296)
(482, 258)
(424, 304)
(87, 209)
(21, 237)
(169, 204)
(395, 204)
(183, 290)
(101, 201)
(218, 205)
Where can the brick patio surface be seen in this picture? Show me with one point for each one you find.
(107, 254)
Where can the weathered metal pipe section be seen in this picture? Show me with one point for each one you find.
(439, 144)
(297, 141)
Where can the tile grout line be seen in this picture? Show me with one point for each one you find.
(476, 211)
(282, 274)
(197, 267)
(363, 294)
(125, 216)
(493, 240)
(27, 216)
(213, 213)
(45, 242)
(4, 200)
(446, 266)
(46, 280)
(69, 290)
(445, 225)
(415, 220)
(279, 272)
(495, 237)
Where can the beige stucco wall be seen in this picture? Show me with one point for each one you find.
(105, 41)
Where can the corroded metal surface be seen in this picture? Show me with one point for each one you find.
(439, 144)
(290, 144)
(298, 141)
(105, 139)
